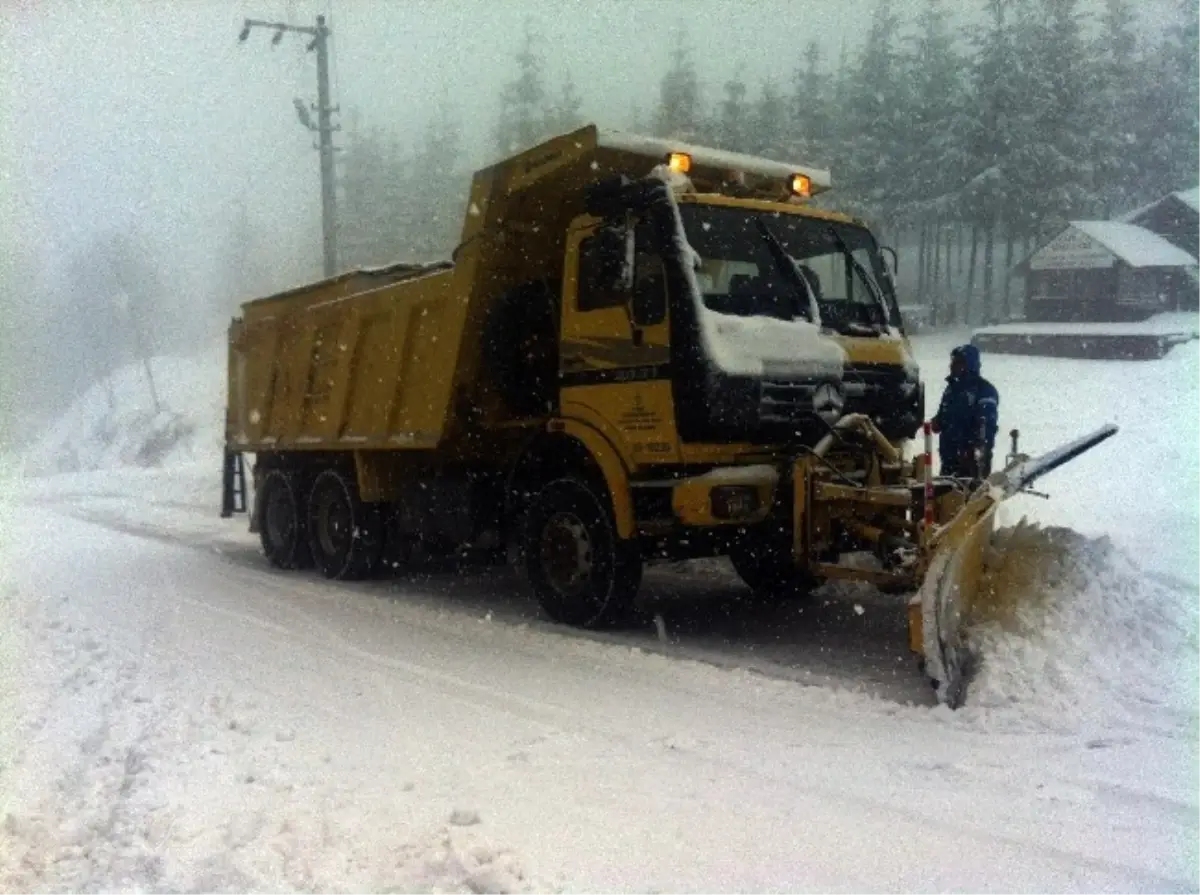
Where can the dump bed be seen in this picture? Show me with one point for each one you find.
(364, 360)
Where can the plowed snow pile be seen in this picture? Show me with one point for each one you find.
(115, 424)
(1084, 637)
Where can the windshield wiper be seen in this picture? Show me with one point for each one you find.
(865, 276)
(787, 267)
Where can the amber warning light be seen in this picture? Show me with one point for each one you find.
(679, 162)
(802, 185)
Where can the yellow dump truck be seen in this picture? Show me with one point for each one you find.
(641, 350)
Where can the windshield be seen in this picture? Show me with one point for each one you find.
(737, 274)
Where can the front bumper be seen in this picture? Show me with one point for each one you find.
(732, 495)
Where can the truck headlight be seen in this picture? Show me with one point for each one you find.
(734, 501)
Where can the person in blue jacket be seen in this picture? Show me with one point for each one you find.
(967, 418)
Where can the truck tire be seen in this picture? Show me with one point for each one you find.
(581, 573)
(283, 530)
(767, 570)
(345, 534)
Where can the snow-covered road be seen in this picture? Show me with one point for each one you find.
(187, 721)
(174, 716)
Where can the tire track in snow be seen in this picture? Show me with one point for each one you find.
(626, 743)
(567, 722)
(835, 647)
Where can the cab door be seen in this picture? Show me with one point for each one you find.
(615, 356)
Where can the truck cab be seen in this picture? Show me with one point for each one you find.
(701, 319)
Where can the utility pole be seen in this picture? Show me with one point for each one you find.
(324, 126)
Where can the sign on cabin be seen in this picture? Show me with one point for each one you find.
(1071, 250)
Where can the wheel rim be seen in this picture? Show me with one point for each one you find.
(334, 522)
(281, 516)
(566, 554)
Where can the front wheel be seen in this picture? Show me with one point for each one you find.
(581, 573)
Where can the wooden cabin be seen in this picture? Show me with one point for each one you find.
(1110, 271)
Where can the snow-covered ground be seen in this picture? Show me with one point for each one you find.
(1141, 487)
(183, 719)
(115, 424)
(1185, 324)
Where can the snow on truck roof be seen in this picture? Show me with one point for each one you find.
(657, 149)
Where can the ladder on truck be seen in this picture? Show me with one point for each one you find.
(233, 484)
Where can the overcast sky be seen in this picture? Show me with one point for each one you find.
(150, 113)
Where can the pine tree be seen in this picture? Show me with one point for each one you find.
(875, 109)
(1051, 167)
(733, 121)
(811, 131)
(934, 142)
(639, 121)
(564, 114)
(375, 180)
(245, 274)
(679, 115)
(403, 204)
(1168, 108)
(523, 100)
(436, 188)
(998, 124)
(771, 126)
(936, 162)
(1117, 166)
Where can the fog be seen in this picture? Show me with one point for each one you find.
(154, 115)
(143, 143)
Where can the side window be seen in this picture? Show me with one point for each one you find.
(588, 296)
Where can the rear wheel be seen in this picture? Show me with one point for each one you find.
(282, 529)
(767, 569)
(581, 573)
(345, 534)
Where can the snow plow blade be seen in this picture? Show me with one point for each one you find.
(950, 595)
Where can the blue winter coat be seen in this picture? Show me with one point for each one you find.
(969, 404)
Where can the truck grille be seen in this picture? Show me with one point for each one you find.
(873, 389)
(881, 392)
(786, 402)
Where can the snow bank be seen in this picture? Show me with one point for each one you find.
(115, 425)
(1084, 638)
(1172, 324)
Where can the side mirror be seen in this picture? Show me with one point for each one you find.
(606, 197)
(649, 307)
(612, 271)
